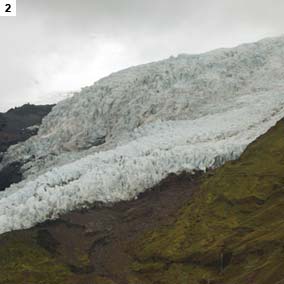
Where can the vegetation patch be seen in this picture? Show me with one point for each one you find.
(232, 231)
(24, 261)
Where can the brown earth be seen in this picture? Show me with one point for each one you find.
(101, 235)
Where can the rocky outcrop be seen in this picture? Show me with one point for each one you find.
(225, 226)
(15, 124)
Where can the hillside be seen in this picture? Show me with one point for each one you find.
(231, 231)
(222, 227)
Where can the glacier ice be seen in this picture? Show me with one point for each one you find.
(191, 112)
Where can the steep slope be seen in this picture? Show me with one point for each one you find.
(130, 130)
(232, 231)
(228, 229)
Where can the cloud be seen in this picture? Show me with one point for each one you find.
(57, 46)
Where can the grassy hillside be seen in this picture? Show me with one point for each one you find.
(232, 231)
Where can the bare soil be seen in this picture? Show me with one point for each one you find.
(101, 235)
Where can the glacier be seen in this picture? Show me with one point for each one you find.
(128, 131)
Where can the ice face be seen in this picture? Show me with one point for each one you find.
(185, 113)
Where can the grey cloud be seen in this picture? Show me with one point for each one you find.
(58, 45)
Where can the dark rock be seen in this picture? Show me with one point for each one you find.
(10, 174)
(14, 129)
(14, 123)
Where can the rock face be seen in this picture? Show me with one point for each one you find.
(222, 227)
(18, 125)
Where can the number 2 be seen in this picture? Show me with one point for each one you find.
(8, 10)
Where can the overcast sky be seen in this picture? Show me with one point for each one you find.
(56, 46)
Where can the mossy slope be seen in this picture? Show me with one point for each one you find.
(232, 231)
(23, 261)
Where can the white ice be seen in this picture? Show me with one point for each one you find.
(182, 114)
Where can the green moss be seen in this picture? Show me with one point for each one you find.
(23, 261)
(102, 280)
(149, 266)
(181, 273)
(233, 228)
